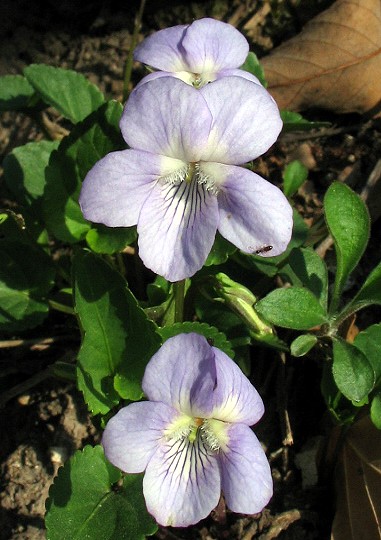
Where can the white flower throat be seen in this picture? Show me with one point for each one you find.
(192, 173)
(211, 433)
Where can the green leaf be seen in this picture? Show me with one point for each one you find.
(312, 272)
(26, 277)
(293, 121)
(370, 292)
(24, 173)
(352, 371)
(158, 291)
(217, 339)
(253, 66)
(220, 252)
(292, 307)
(369, 343)
(15, 93)
(375, 410)
(84, 504)
(88, 142)
(118, 341)
(349, 224)
(294, 175)
(67, 91)
(303, 344)
(102, 239)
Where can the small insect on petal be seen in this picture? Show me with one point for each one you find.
(262, 249)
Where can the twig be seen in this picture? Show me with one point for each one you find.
(34, 343)
(288, 439)
(281, 523)
(26, 385)
(130, 56)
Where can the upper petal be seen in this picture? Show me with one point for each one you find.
(253, 212)
(114, 190)
(246, 120)
(177, 227)
(211, 45)
(182, 483)
(167, 116)
(235, 398)
(182, 374)
(132, 436)
(163, 50)
(245, 472)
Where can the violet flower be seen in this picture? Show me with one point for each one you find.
(192, 438)
(196, 53)
(179, 181)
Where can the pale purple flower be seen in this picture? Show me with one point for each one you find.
(197, 53)
(192, 438)
(179, 181)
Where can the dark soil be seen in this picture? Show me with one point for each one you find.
(43, 424)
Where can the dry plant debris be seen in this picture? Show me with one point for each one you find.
(334, 63)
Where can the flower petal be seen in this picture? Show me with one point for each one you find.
(245, 472)
(211, 45)
(246, 120)
(182, 483)
(168, 117)
(114, 190)
(235, 398)
(238, 73)
(177, 227)
(182, 374)
(131, 436)
(162, 50)
(253, 213)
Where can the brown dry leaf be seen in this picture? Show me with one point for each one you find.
(334, 63)
(358, 483)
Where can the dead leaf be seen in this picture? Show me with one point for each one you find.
(358, 485)
(334, 63)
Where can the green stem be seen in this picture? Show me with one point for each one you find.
(179, 288)
(61, 307)
(130, 57)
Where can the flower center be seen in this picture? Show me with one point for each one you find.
(192, 173)
(210, 433)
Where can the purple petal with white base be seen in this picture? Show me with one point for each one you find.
(245, 124)
(131, 436)
(182, 374)
(177, 226)
(190, 438)
(253, 212)
(245, 472)
(205, 46)
(211, 45)
(167, 117)
(182, 483)
(235, 398)
(115, 189)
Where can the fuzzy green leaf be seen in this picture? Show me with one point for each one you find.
(352, 371)
(294, 175)
(67, 91)
(292, 307)
(118, 341)
(15, 93)
(24, 173)
(369, 342)
(311, 271)
(88, 142)
(26, 276)
(303, 344)
(349, 224)
(83, 503)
